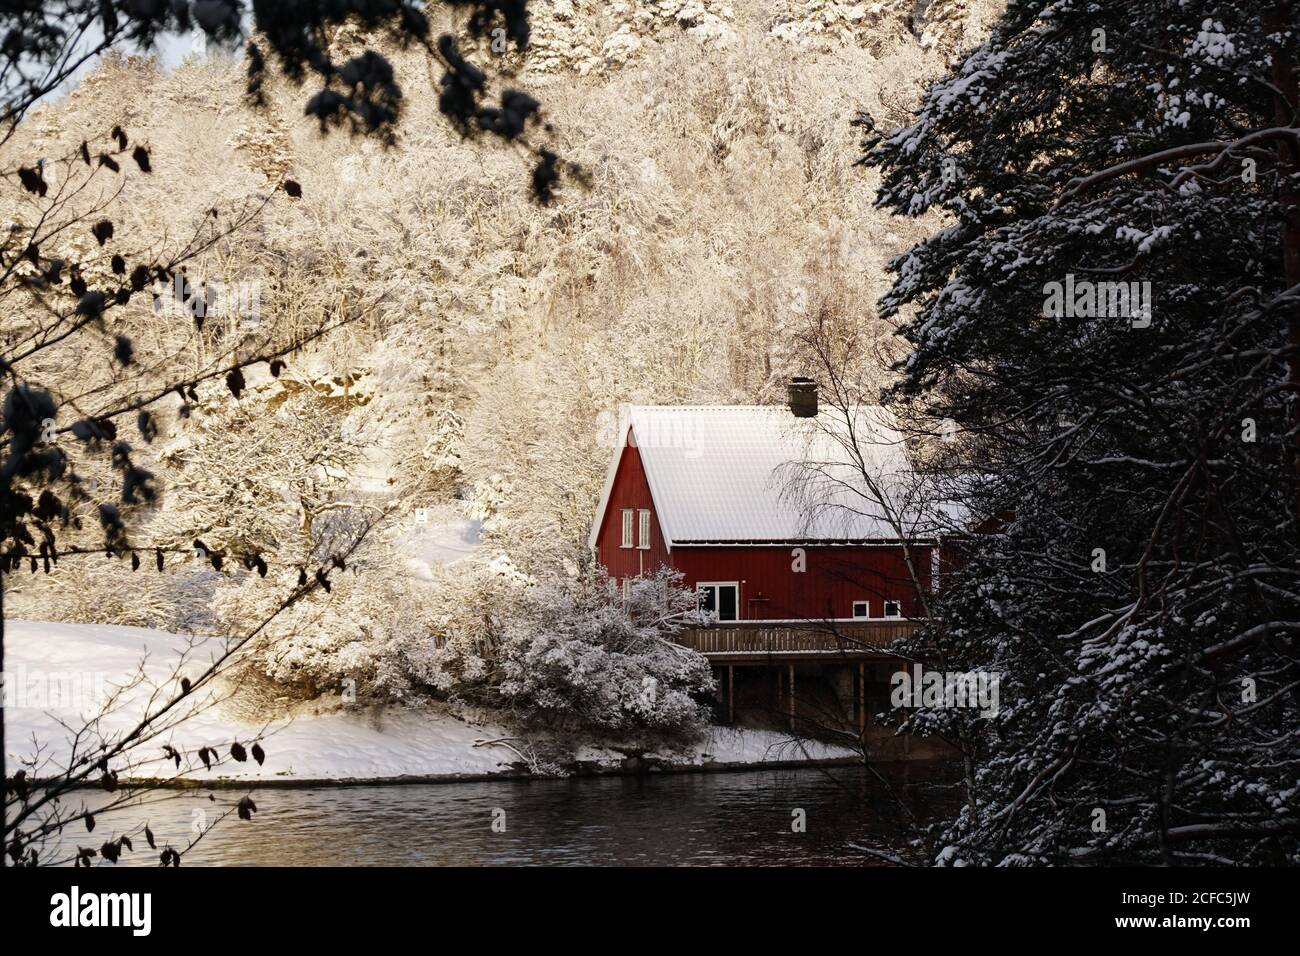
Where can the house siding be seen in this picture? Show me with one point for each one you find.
(835, 577)
(630, 490)
(770, 589)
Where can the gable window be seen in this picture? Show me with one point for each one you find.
(643, 531)
(893, 609)
(861, 610)
(627, 528)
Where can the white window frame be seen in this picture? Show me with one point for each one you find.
(643, 529)
(898, 605)
(627, 589)
(721, 584)
(627, 528)
(865, 615)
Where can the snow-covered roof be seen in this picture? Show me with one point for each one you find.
(757, 473)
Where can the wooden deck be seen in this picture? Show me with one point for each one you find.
(757, 642)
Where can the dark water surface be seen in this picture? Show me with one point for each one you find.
(705, 819)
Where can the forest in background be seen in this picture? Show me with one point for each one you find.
(494, 338)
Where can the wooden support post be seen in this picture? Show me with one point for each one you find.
(792, 697)
(731, 694)
(862, 698)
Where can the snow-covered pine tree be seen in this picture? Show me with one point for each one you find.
(1135, 445)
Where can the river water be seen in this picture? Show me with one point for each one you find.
(704, 819)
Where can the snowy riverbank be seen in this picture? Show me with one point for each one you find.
(58, 674)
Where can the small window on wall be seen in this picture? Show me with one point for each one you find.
(893, 609)
(627, 589)
(861, 610)
(627, 527)
(643, 532)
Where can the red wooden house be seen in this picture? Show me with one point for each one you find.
(753, 505)
(762, 512)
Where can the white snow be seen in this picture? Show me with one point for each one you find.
(325, 740)
(728, 746)
(444, 538)
(341, 743)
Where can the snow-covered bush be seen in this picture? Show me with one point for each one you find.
(566, 653)
(465, 607)
(580, 655)
(100, 589)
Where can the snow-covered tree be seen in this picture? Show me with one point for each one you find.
(1110, 320)
(86, 357)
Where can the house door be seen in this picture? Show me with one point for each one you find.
(720, 599)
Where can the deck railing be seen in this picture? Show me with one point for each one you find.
(750, 637)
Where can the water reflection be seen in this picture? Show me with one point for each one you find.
(662, 819)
